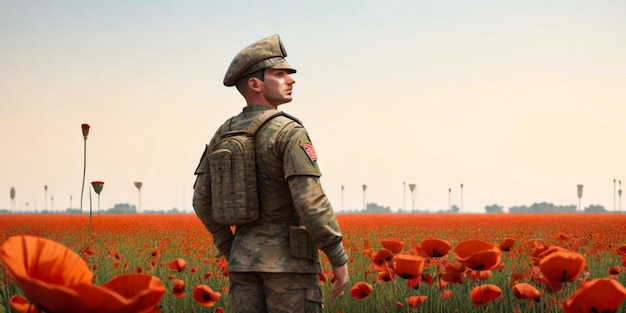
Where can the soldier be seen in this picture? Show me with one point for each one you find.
(267, 274)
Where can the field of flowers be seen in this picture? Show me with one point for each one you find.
(398, 262)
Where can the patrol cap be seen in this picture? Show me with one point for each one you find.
(268, 52)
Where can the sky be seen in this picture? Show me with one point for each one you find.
(519, 101)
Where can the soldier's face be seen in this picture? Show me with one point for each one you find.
(277, 86)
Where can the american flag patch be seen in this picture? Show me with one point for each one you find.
(310, 151)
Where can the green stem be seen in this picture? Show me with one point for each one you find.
(82, 188)
(89, 223)
(5, 293)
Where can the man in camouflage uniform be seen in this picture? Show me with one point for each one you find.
(265, 276)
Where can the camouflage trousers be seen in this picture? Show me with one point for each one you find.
(256, 292)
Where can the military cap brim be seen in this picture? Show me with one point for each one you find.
(268, 52)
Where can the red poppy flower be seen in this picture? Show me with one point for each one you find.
(408, 266)
(414, 282)
(385, 275)
(392, 244)
(38, 264)
(478, 275)
(85, 130)
(562, 266)
(414, 301)
(22, 305)
(621, 250)
(541, 252)
(484, 293)
(452, 277)
(178, 265)
(361, 290)
(321, 278)
(446, 294)
(455, 268)
(115, 255)
(89, 251)
(435, 247)
(537, 276)
(139, 293)
(205, 296)
(97, 186)
(549, 250)
(223, 265)
(506, 244)
(526, 291)
(219, 309)
(614, 271)
(536, 252)
(454, 273)
(155, 252)
(57, 279)
(380, 258)
(179, 288)
(478, 255)
(516, 277)
(597, 295)
(427, 279)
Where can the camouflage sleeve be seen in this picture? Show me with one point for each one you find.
(318, 217)
(299, 157)
(222, 234)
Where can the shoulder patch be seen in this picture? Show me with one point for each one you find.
(309, 150)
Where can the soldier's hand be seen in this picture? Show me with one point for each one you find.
(341, 280)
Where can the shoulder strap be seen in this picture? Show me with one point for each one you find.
(267, 115)
(225, 127)
(257, 123)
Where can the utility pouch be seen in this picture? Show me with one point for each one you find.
(300, 244)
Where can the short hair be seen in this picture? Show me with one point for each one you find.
(242, 82)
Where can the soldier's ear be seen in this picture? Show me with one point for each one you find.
(254, 84)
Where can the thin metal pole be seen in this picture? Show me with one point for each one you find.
(461, 198)
(404, 196)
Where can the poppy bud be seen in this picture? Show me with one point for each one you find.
(85, 129)
(179, 288)
(97, 186)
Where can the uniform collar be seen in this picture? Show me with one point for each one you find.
(251, 108)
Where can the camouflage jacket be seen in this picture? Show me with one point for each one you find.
(290, 195)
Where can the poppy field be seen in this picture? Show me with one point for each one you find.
(397, 263)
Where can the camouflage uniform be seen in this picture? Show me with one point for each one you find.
(264, 275)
